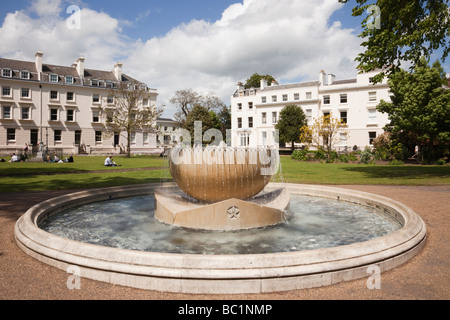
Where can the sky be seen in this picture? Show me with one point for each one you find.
(204, 45)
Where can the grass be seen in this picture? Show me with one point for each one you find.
(89, 172)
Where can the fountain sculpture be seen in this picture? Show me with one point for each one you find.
(221, 189)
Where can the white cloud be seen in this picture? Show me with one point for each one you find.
(45, 8)
(291, 40)
(287, 39)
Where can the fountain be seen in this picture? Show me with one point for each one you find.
(221, 192)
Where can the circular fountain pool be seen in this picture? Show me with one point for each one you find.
(304, 252)
(313, 223)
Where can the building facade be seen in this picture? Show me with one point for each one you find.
(59, 107)
(256, 111)
(169, 133)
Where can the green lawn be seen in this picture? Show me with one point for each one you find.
(16, 177)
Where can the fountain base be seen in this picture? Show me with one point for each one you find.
(175, 208)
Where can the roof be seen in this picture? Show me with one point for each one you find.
(62, 71)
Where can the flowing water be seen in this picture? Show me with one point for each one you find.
(313, 223)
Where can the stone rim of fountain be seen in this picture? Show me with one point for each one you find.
(222, 274)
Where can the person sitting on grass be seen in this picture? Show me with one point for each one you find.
(109, 162)
(15, 158)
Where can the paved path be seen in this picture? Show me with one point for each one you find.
(425, 277)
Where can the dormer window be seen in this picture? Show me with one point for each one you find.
(24, 75)
(94, 83)
(69, 80)
(7, 73)
(54, 78)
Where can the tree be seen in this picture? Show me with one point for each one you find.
(324, 134)
(255, 80)
(419, 112)
(185, 100)
(198, 114)
(401, 30)
(129, 113)
(292, 118)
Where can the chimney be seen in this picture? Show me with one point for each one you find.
(331, 78)
(323, 78)
(80, 66)
(240, 86)
(118, 71)
(39, 56)
(263, 84)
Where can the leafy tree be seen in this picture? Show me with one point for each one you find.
(198, 114)
(419, 113)
(185, 100)
(222, 120)
(407, 31)
(292, 118)
(129, 113)
(324, 134)
(255, 80)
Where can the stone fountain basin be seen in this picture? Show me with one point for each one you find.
(213, 175)
(223, 274)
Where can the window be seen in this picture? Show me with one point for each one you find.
(344, 139)
(25, 93)
(296, 96)
(110, 100)
(69, 80)
(285, 97)
(70, 115)
(54, 78)
(58, 135)
(372, 137)
(144, 101)
(7, 73)
(371, 80)
(344, 98)
(96, 98)
(239, 105)
(133, 137)
(94, 83)
(308, 95)
(98, 136)
(24, 75)
(309, 116)
(326, 100)
(26, 113)
(250, 105)
(6, 91)
(145, 137)
(372, 96)
(54, 114)
(274, 117)
(6, 112)
(53, 95)
(372, 116)
(274, 98)
(264, 99)
(344, 117)
(11, 134)
(250, 122)
(264, 118)
(264, 138)
(96, 116)
(245, 140)
(239, 120)
(70, 96)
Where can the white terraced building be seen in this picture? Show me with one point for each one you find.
(59, 106)
(256, 111)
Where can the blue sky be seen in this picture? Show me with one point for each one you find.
(204, 45)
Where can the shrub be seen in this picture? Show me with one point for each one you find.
(344, 158)
(396, 162)
(319, 155)
(440, 162)
(300, 155)
(366, 156)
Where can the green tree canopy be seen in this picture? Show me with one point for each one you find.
(255, 80)
(401, 30)
(420, 110)
(202, 114)
(292, 118)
